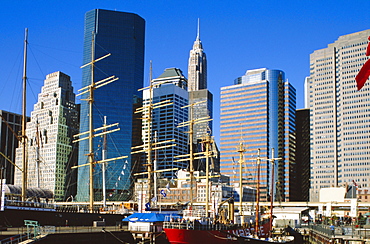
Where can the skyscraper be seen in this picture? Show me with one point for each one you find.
(197, 66)
(303, 154)
(202, 100)
(9, 142)
(259, 111)
(51, 153)
(122, 35)
(170, 86)
(339, 115)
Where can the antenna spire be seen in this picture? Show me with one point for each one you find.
(198, 30)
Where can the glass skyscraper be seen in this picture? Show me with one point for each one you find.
(171, 86)
(121, 34)
(259, 111)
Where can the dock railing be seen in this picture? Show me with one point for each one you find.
(342, 230)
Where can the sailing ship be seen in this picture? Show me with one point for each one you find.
(14, 212)
(211, 230)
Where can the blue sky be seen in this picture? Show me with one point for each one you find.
(236, 35)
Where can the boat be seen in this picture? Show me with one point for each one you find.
(211, 230)
(40, 207)
(217, 233)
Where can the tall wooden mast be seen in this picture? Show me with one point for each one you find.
(91, 126)
(149, 146)
(91, 133)
(258, 192)
(190, 123)
(272, 160)
(24, 120)
(241, 150)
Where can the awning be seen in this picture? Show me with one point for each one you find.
(150, 217)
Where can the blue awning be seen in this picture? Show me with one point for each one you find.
(150, 217)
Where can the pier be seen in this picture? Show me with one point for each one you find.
(345, 234)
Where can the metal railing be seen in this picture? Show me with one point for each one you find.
(193, 225)
(16, 239)
(343, 230)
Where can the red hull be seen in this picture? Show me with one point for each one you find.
(191, 236)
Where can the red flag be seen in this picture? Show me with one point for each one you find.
(364, 73)
(354, 182)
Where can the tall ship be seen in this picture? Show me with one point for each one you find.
(31, 198)
(222, 229)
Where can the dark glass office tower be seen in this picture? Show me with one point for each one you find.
(121, 34)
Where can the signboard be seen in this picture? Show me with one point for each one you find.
(328, 209)
(2, 195)
(353, 212)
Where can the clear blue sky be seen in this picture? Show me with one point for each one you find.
(236, 35)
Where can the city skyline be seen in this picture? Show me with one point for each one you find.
(237, 36)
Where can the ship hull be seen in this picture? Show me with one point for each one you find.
(203, 235)
(182, 236)
(16, 217)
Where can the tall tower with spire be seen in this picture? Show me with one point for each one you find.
(197, 67)
(202, 98)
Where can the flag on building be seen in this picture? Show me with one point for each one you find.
(168, 187)
(147, 206)
(364, 73)
(163, 193)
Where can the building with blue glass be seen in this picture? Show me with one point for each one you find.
(122, 35)
(170, 91)
(259, 111)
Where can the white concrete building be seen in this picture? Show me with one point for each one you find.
(339, 115)
(50, 153)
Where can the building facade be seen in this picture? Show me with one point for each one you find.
(9, 142)
(122, 35)
(303, 154)
(339, 115)
(170, 89)
(50, 152)
(259, 112)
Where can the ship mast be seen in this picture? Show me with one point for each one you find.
(190, 123)
(272, 160)
(208, 140)
(241, 150)
(258, 192)
(91, 133)
(104, 156)
(148, 145)
(24, 120)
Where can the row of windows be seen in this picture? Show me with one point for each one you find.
(324, 162)
(318, 128)
(364, 121)
(356, 169)
(324, 78)
(359, 116)
(354, 50)
(361, 60)
(322, 102)
(324, 156)
(356, 153)
(324, 141)
(357, 159)
(323, 64)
